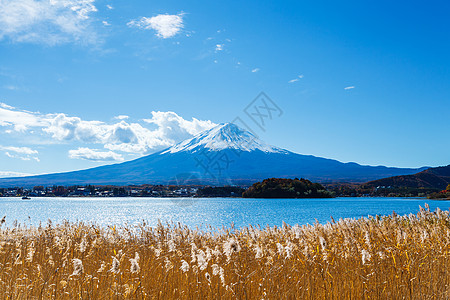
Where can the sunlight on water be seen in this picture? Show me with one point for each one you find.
(201, 212)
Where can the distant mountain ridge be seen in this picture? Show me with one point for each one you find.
(223, 155)
(437, 178)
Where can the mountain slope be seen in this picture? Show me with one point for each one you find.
(225, 154)
(224, 137)
(437, 178)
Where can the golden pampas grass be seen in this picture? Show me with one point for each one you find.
(389, 257)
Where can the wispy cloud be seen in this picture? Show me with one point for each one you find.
(94, 155)
(23, 153)
(109, 7)
(166, 26)
(255, 70)
(296, 79)
(121, 117)
(349, 87)
(48, 22)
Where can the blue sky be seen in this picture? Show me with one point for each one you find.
(85, 82)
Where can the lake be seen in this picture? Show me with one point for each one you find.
(201, 212)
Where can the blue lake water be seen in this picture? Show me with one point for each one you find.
(201, 212)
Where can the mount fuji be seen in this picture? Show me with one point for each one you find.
(225, 154)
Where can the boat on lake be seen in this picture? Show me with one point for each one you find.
(26, 198)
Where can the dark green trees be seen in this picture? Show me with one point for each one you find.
(286, 188)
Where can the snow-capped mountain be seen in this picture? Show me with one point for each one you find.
(225, 154)
(221, 137)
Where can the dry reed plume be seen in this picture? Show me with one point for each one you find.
(392, 257)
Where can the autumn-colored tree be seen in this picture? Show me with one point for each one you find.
(448, 188)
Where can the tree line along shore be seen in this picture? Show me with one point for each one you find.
(268, 188)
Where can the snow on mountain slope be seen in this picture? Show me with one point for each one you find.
(223, 155)
(222, 137)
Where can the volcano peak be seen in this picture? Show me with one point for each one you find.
(224, 136)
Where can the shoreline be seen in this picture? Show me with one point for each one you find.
(182, 197)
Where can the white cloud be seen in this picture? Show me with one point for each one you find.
(4, 105)
(171, 128)
(219, 47)
(166, 26)
(121, 117)
(63, 127)
(94, 155)
(175, 128)
(21, 150)
(296, 79)
(349, 87)
(109, 7)
(255, 70)
(20, 120)
(49, 22)
(167, 128)
(4, 174)
(106, 23)
(23, 153)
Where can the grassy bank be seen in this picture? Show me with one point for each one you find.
(390, 257)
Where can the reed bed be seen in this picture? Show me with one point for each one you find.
(390, 257)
